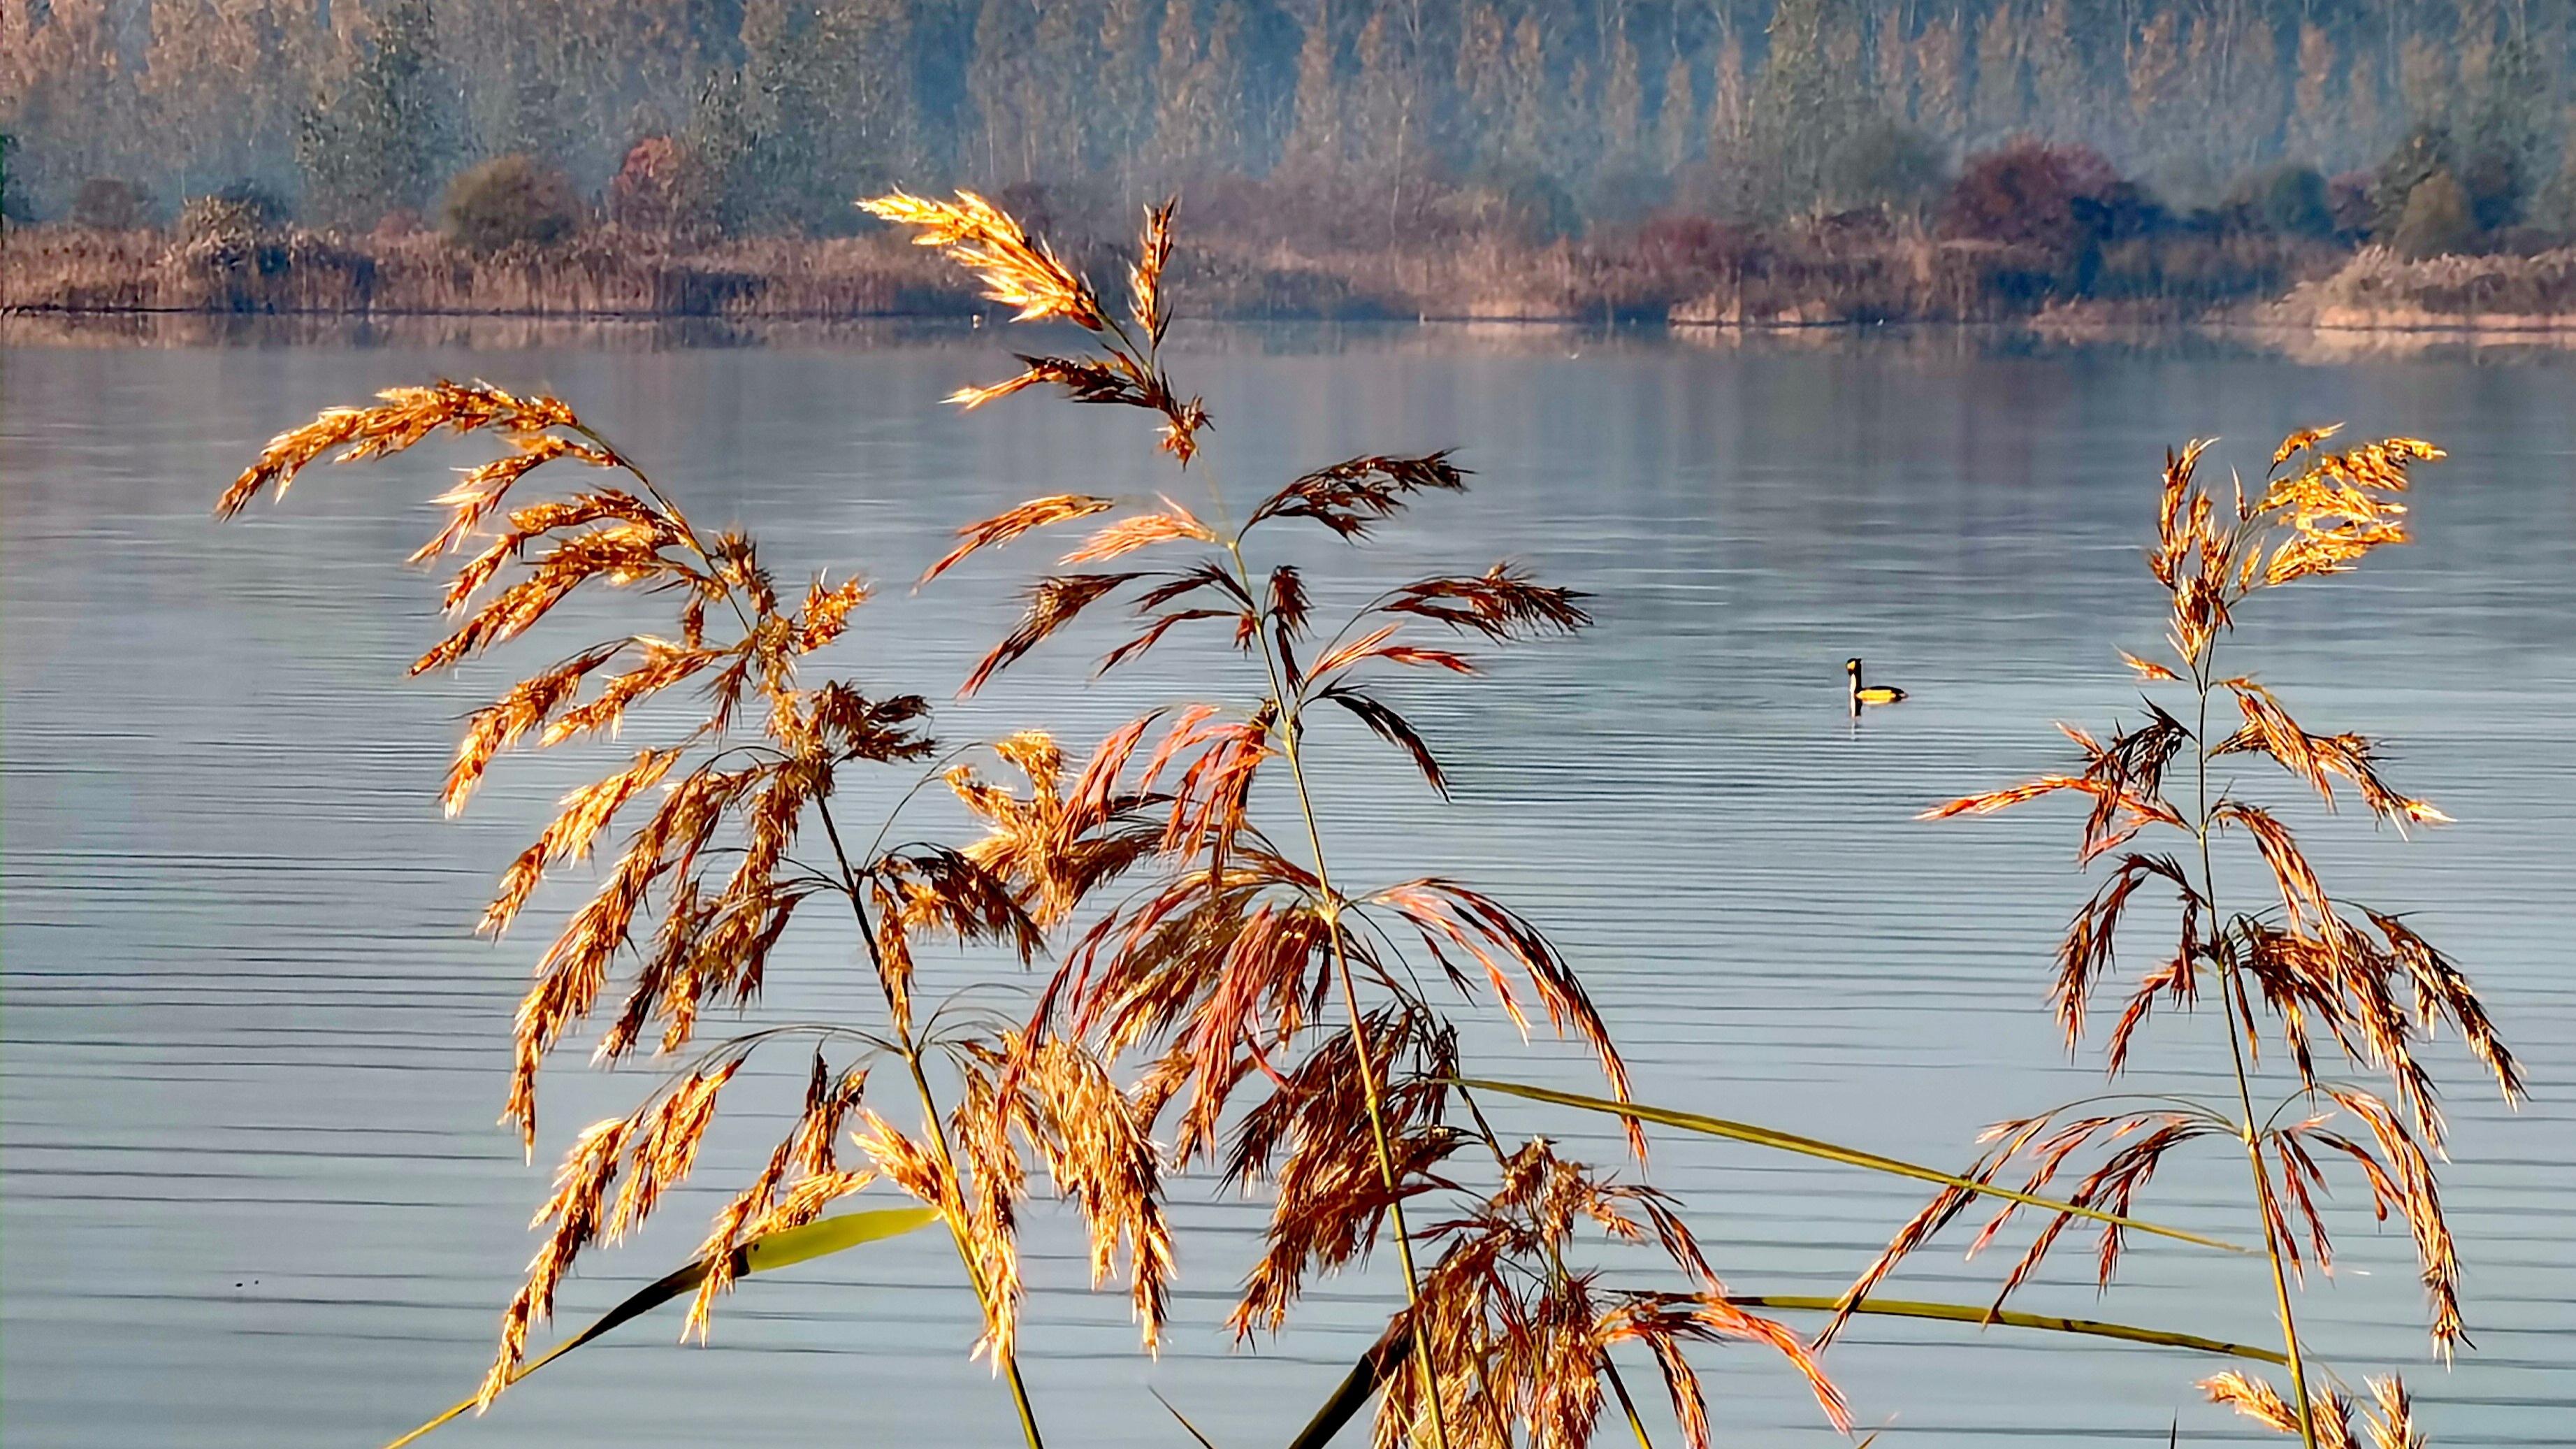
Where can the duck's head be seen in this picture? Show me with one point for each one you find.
(1852, 668)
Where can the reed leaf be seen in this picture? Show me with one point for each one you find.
(1848, 1156)
(1356, 1388)
(771, 1250)
(1193, 1430)
(1969, 1313)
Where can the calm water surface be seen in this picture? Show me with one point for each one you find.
(253, 1192)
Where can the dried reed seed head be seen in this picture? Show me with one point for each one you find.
(1016, 270)
(2391, 1418)
(1025, 273)
(1142, 531)
(1517, 1339)
(2401, 1180)
(1351, 497)
(1145, 278)
(713, 940)
(2301, 440)
(481, 490)
(1002, 527)
(404, 417)
(2146, 670)
(2257, 1400)
(1099, 1151)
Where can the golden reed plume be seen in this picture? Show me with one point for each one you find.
(1281, 1017)
(2304, 971)
(709, 875)
(1019, 271)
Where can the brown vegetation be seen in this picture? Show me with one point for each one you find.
(1235, 1000)
(2379, 289)
(509, 201)
(2305, 973)
(606, 272)
(1210, 989)
(1862, 267)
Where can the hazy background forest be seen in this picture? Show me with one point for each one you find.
(1346, 123)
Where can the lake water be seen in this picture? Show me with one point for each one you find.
(253, 1193)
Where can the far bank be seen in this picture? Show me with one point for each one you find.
(1685, 272)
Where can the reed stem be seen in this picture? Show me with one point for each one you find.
(1290, 729)
(2227, 988)
(910, 1051)
(1627, 1405)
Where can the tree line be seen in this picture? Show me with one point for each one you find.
(1573, 112)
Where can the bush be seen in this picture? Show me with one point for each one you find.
(664, 189)
(1697, 245)
(1521, 203)
(2289, 199)
(263, 207)
(2025, 194)
(2491, 179)
(215, 219)
(2348, 201)
(108, 203)
(2425, 150)
(508, 200)
(9, 207)
(2437, 219)
(236, 214)
(1883, 163)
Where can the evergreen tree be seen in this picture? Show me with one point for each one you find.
(2316, 128)
(1315, 131)
(1123, 92)
(1623, 90)
(2064, 97)
(386, 135)
(1676, 114)
(2002, 106)
(1941, 80)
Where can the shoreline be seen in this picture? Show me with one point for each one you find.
(1771, 285)
(2394, 322)
(2395, 331)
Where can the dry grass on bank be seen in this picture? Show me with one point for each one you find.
(1690, 271)
(2378, 290)
(601, 273)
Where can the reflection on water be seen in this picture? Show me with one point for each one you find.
(253, 1193)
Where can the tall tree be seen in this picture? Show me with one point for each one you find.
(2316, 119)
(385, 134)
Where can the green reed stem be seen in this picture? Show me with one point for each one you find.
(1627, 1405)
(2227, 990)
(1290, 728)
(910, 1051)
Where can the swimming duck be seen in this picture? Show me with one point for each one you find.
(1862, 694)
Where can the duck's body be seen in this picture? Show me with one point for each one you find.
(1868, 694)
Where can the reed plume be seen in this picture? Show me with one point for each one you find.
(2323, 982)
(719, 854)
(1281, 1014)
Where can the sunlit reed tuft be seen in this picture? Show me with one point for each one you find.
(719, 853)
(2306, 972)
(1281, 1013)
(1233, 1003)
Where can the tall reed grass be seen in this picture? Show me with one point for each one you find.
(602, 273)
(1687, 270)
(2379, 289)
(1221, 991)
(2324, 981)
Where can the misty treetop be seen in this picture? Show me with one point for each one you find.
(1578, 109)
